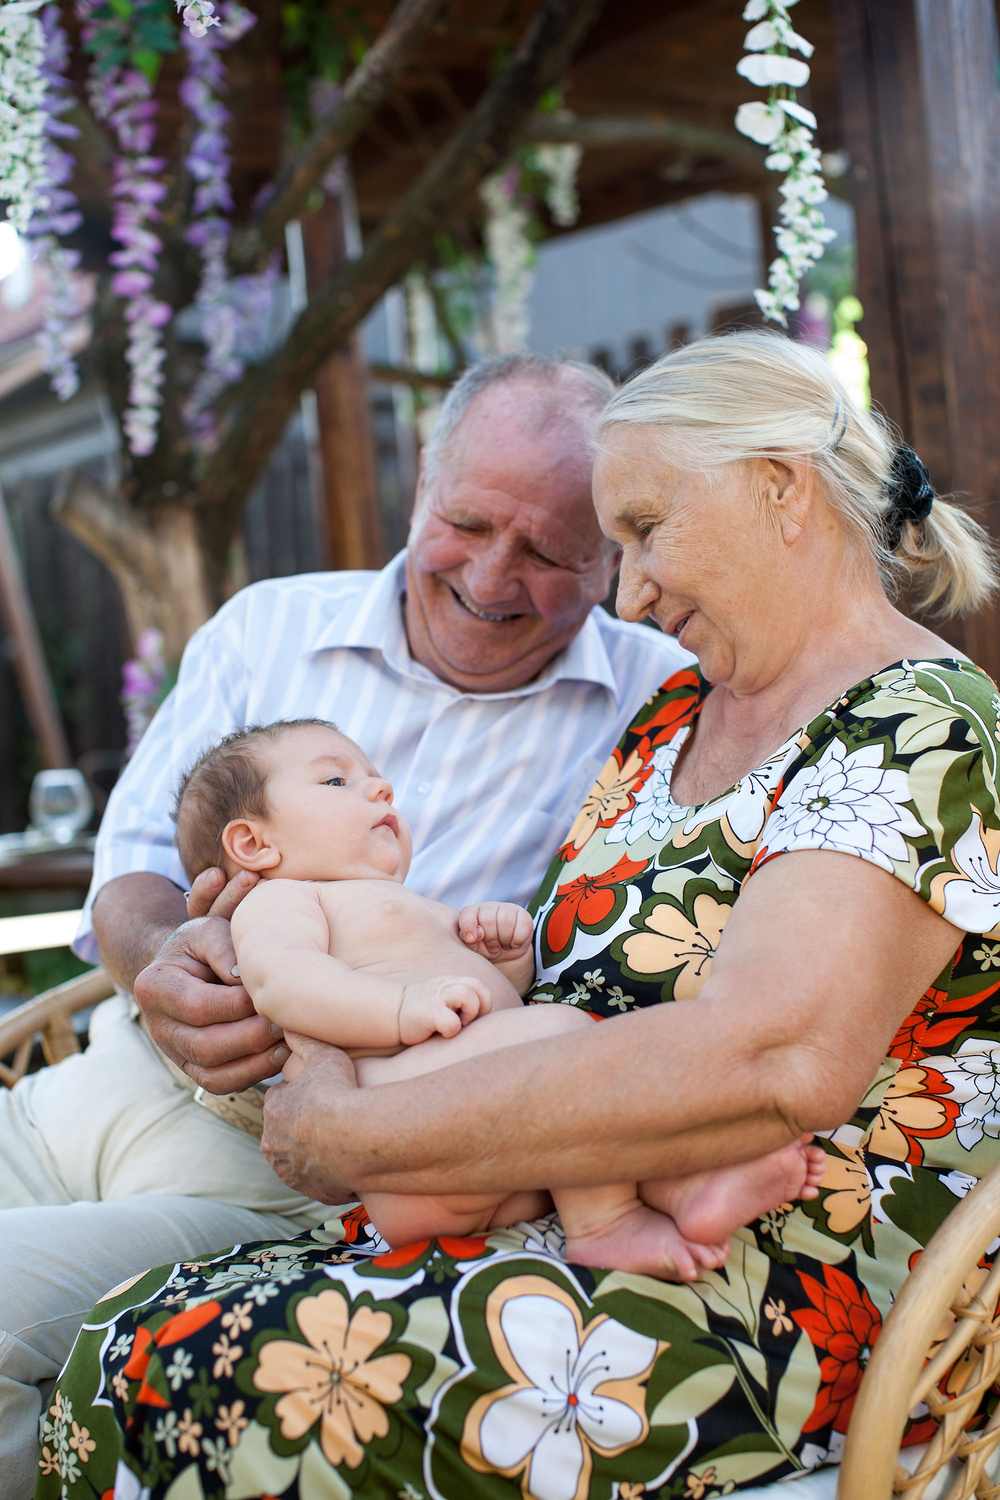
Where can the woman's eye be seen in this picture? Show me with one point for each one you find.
(335, 781)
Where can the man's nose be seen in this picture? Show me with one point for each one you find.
(489, 574)
(637, 593)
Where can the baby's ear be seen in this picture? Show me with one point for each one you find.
(249, 846)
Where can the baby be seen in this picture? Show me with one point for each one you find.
(332, 944)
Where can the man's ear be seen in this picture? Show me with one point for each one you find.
(248, 846)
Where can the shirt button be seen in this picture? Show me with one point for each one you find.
(424, 788)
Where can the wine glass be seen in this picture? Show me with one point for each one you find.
(60, 804)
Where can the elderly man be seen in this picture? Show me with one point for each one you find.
(481, 679)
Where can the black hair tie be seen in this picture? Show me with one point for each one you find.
(910, 494)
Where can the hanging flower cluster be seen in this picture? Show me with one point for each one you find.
(208, 161)
(787, 128)
(22, 121)
(121, 97)
(511, 254)
(56, 213)
(511, 229)
(558, 165)
(146, 681)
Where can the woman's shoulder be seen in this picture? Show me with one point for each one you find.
(926, 702)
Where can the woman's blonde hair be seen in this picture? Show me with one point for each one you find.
(756, 394)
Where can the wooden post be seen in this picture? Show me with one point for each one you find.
(343, 400)
(29, 659)
(921, 113)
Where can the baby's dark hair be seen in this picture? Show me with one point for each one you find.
(229, 781)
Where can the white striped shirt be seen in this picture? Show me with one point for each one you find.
(489, 782)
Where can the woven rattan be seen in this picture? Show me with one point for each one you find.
(50, 1018)
(939, 1349)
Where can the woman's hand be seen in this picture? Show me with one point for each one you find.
(317, 1077)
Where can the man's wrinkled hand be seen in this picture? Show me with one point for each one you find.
(296, 1141)
(211, 895)
(200, 1015)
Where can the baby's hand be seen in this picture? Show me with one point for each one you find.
(442, 1006)
(499, 930)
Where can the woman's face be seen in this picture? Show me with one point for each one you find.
(704, 559)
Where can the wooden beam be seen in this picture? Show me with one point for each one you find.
(29, 659)
(343, 399)
(921, 116)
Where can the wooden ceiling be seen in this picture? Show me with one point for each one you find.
(666, 61)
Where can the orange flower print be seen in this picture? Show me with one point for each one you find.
(612, 793)
(335, 1378)
(677, 711)
(588, 899)
(669, 940)
(934, 1023)
(843, 1325)
(915, 1106)
(849, 1189)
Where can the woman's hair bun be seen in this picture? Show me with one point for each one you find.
(910, 494)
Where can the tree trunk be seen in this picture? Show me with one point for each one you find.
(156, 557)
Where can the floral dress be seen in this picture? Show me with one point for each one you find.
(489, 1367)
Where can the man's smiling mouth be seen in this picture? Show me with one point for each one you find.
(482, 614)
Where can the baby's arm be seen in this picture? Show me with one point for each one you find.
(282, 938)
(501, 932)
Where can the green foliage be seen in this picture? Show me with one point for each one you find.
(132, 33)
(320, 41)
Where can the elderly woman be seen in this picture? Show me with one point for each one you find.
(802, 834)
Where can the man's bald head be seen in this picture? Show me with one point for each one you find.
(506, 558)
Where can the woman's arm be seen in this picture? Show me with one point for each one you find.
(822, 958)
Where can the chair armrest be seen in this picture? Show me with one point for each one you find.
(909, 1362)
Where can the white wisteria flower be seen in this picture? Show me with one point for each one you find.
(512, 256)
(786, 127)
(558, 164)
(973, 1075)
(559, 1416)
(22, 119)
(846, 802)
(654, 809)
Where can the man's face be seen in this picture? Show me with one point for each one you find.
(506, 559)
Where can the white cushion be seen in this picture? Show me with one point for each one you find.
(821, 1484)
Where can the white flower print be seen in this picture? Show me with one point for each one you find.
(974, 1076)
(545, 1236)
(121, 1346)
(560, 1417)
(179, 1369)
(654, 809)
(746, 807)
(973, 902)
(846, 802)
(618, 998)
(958, 1182)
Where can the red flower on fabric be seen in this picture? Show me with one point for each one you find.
(675, 713)
(588, 899)
(403, 1255)
(844, 1324)
(356, 1223)
(933, 1023)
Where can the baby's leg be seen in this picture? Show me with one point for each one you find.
(708, 1206)
(610, 1227)
(402, 1218)
(500, 1028)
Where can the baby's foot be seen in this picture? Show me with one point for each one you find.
(645, 1242)
(708, 1206)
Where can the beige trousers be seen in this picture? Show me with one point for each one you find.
(108, 1166)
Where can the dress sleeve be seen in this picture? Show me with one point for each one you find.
(907, 780)
(137, 829)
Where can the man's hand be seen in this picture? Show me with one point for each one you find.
(440, 1006)
(197, 1011)
(499, 930)
(295, 1141)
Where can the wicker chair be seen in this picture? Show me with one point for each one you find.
(942, 1334)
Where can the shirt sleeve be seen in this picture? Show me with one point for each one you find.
(909, 783)
(137, 830)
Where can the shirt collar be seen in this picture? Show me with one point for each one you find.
(377, 624)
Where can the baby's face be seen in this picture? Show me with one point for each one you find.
(330, 814)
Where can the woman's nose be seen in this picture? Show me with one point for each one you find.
(637, 593)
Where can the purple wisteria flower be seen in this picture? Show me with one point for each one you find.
(146, 680)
